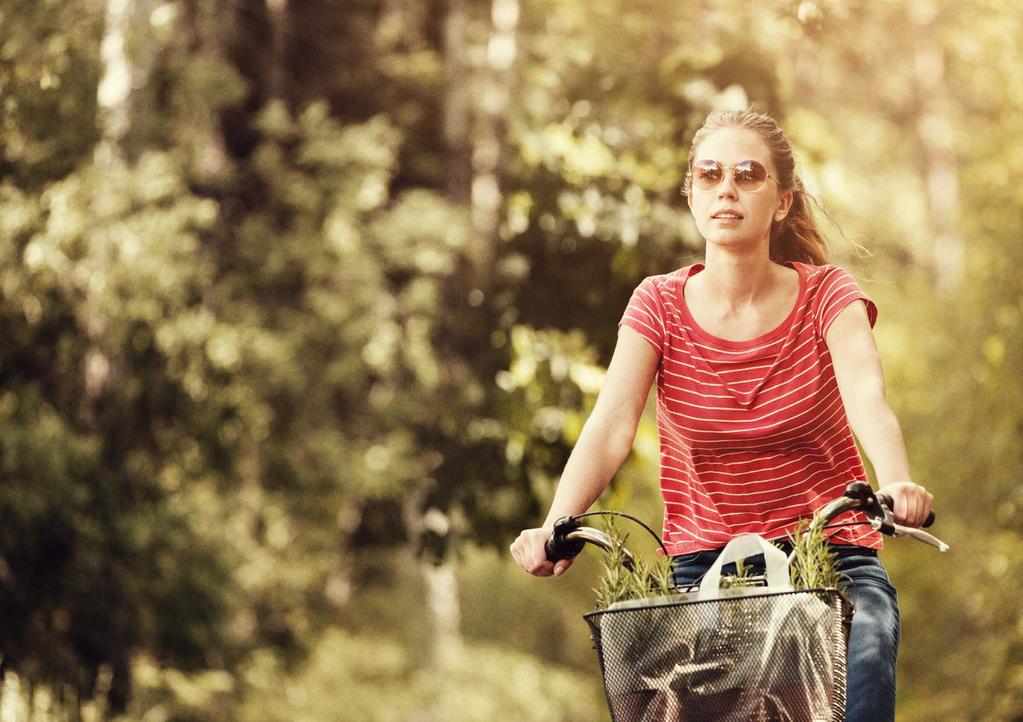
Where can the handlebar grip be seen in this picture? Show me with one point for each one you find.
(558, 546)
(889, 502)
(558, 549)
(553, 550)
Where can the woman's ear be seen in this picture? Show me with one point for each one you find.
(784, 204)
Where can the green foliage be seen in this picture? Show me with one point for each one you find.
(49, 69)
(815, 564)
(743, 576)
(177, 380)
(629, 577)
(96, 560)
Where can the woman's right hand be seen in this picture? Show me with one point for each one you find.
(529, 553)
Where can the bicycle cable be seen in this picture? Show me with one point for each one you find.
(630, 518)
(845, 523)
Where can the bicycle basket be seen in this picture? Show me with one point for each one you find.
(769, 657)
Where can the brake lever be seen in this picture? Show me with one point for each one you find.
(889, 505)
(877, 508)
(918, 534)
(883, 514)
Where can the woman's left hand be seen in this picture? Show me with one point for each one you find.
(911, 503)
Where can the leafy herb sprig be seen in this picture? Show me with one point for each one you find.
(815, 565)
(619, 582)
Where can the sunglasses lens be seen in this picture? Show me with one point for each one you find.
(707, 174)
(750, 175)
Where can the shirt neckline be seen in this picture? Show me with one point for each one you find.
(778, 332)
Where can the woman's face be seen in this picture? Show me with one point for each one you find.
(727, 215)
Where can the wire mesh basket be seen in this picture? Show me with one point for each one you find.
(754, 657)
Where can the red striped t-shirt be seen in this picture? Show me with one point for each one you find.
(753, 434)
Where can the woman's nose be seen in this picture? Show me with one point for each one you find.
(727, 188)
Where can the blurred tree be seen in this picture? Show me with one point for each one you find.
(49, 67)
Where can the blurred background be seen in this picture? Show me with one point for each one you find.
(303, 304)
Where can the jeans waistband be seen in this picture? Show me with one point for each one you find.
(842, 550)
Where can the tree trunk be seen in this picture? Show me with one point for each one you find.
(445, 611)
(123, 82)
(278, 15)
(116, 83)
(938, 162)
(208, 27)
(494, 101)
(339, 582)
(439, 578)
(456, 102)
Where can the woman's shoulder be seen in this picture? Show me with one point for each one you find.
(814, 269)
(824, 276)
(667, 281)
(829, 289)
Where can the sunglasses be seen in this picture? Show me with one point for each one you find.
(706, 175)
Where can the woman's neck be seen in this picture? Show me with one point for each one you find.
(738, 279)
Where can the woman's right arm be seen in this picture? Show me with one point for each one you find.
(603, 445)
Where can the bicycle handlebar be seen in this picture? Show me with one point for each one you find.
(878, 508)
(859, 496)
(569, 536)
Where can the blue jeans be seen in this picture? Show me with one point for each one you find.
(873, 638)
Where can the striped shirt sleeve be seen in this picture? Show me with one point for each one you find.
(645, 313)
(837, 290)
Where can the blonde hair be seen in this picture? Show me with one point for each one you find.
(795, 237)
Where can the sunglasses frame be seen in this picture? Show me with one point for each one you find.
(688, 184)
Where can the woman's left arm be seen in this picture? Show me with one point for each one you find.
(861, 383)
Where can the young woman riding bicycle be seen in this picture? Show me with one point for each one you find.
(765, 364)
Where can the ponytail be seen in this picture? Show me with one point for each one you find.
(795, 237)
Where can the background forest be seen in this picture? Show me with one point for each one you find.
(303, 304)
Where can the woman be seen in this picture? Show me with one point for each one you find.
(764, 358)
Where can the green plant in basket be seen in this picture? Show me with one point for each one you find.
(743, 576)
(814, 565)
(621, 580)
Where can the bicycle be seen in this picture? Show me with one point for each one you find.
(698, 655)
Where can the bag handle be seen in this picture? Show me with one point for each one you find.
(741, 547)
